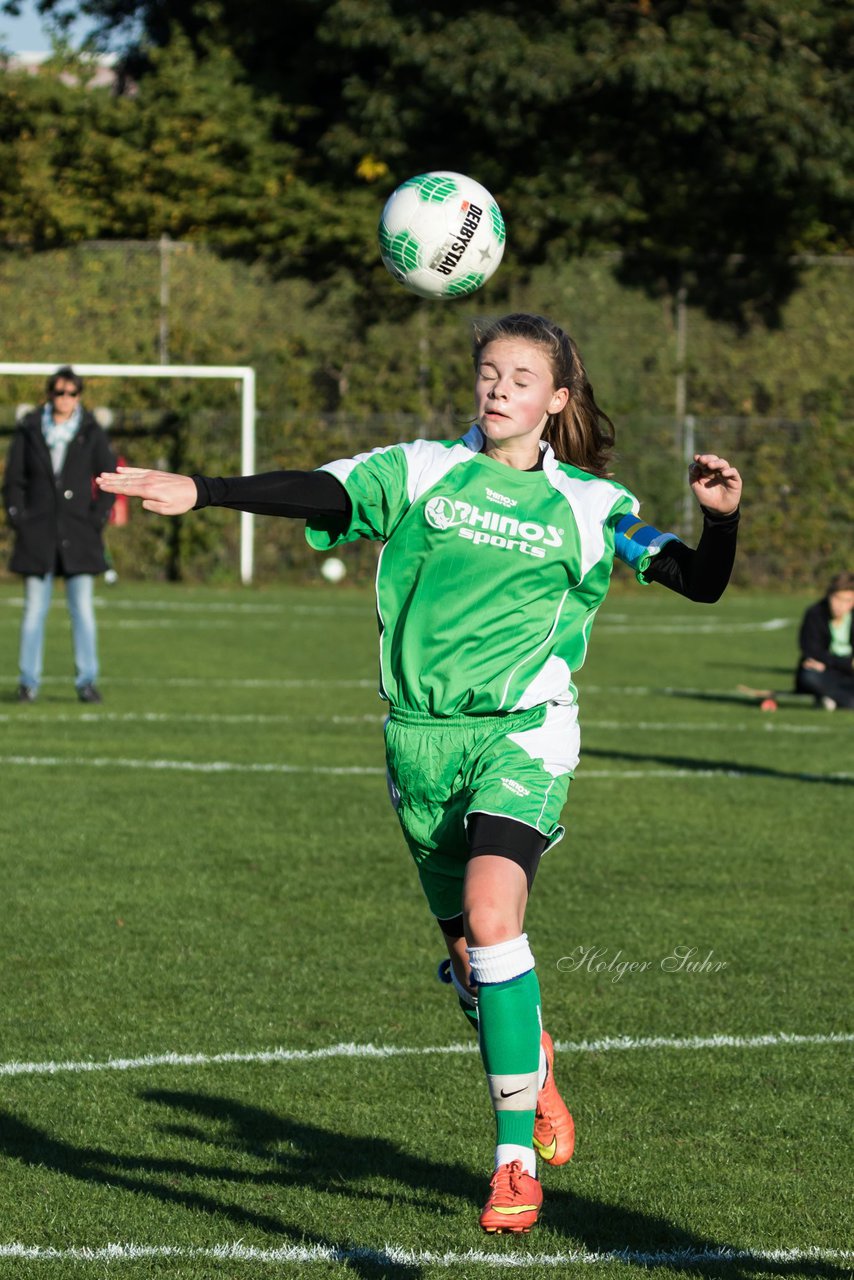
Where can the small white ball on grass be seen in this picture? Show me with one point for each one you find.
(333, 569)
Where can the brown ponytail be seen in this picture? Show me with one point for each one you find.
(580, 433)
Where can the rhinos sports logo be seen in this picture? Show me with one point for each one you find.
(440, 513)
(492, 528)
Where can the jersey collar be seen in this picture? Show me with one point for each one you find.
(475, 440)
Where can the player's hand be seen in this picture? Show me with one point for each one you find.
(163, 492)
(813, 664)
(715, 484)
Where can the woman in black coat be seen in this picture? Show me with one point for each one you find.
(58, 515)
(826, 668)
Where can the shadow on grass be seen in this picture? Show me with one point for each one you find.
(753, 666)
(790, 698)
(322, 1162)
(650, 1243)
(149, 1176)
(717, 766)
(11, 696)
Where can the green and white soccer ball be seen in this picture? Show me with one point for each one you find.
(441, 235)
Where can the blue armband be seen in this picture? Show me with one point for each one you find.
(636, 543)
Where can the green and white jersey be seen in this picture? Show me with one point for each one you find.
(489, 579)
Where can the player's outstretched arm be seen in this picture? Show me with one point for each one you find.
(300, 495)
(163, 492)
(715, 484)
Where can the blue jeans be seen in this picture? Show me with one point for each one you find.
(830, 683)
(79, 592)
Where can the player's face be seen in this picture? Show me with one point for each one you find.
(514, 391)
(841, 602)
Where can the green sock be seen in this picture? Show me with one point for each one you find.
(509, 1029)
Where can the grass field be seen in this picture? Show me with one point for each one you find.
(207, 867)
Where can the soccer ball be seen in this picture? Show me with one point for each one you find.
(333, 569)
(441, 235)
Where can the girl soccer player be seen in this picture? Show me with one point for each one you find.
(498, 550)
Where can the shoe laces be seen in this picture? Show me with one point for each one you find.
(508, 1178)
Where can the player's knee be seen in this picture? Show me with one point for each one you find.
(489, 922)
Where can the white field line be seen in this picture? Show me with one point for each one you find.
(644, 690)
(186, 766)
(172, 717)
(317, 682)
(692, 628)
(760, 771)
(390, 1255)
(238, 611)
(110, 603)
(219, 682)
(609, 1044)
(209, 624)
(202, 607)
(298, 682)
(232, 766)
(662, 629)
(700, 726)
(617, 726)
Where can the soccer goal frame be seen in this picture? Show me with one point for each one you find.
(240, 373)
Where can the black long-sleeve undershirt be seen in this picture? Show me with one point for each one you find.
(701, 574)
(299, 495)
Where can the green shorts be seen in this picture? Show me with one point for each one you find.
(440, 771)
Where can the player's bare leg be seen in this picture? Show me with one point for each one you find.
(495, 894)
(554, 1128)
(495, 898)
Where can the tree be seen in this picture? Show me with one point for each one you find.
(708, 140)
(194, 153)
(60, 155)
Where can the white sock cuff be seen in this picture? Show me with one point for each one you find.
(463, 992)
(501, 963)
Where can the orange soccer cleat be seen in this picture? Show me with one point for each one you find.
(554, 1130)
(514, 1202)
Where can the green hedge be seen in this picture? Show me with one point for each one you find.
(778, 403)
